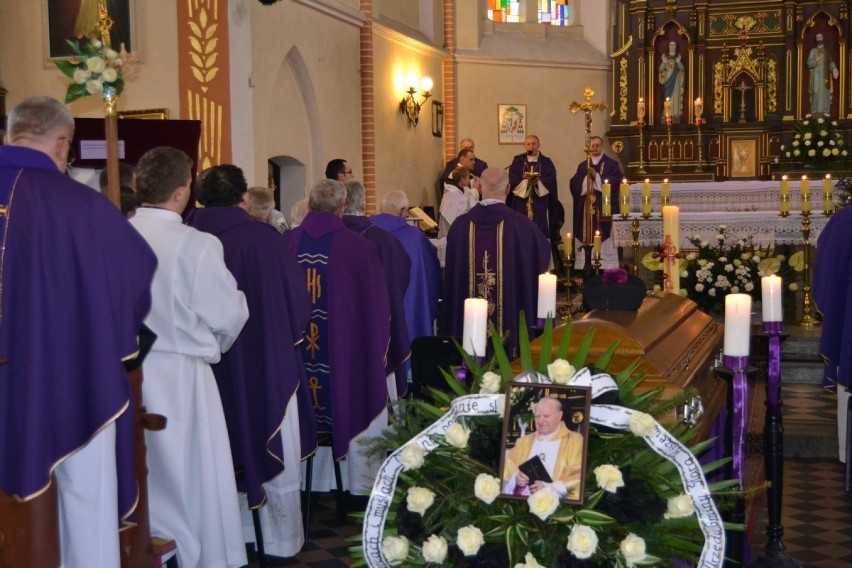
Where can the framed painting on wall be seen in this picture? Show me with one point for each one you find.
(70, 19)
(742, 157)
(511, 123)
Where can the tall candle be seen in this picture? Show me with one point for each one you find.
(568, 245)
(546, 295)
(665, 191)
(737, 324)
(805, 186)
(475, 326)
(770, 287)
(596, 244)
(640, 110)
(827, 201)
(698, 109)
(624, 194)
(668, 108)
(671, 228)
(606, 190)
(785, 194)
(646, 197)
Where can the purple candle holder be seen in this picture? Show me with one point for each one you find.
(738, 366)
(773, 386)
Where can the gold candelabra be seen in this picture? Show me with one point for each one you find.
(634, 227)
(668, 169)
(596, 262)
(641, 169)
(807, 319)
(699, 167)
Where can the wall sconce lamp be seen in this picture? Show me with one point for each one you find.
(437, 119)
(409, 106)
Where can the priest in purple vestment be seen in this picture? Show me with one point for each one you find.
(497, 254)
(349, 330)
(263, 370)
(590, 179)
(424, 286)
(397, 265)
(75, 289)
(833, 297)
(534, 194)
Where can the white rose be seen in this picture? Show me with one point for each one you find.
(826, 152)
(679, 507)
(561, 371)
(469, 539)
(609, 477)
(435, 549)
(395, 549)
(490, 383)
(110, 53)
(95, 64)
(486, 488)
(94, 87)
(419, 499)
(109, 75)
(699, 287)
(712, 291)
(633, 549)
(81, 75)
(529, 562)
(684, 274)
(641, 424)
(457, 435)
(412, 457)
(691, 256)
(582, 542)
(543, 503)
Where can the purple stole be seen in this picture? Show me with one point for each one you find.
(486, 279)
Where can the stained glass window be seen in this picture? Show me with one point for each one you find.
(556, 12)
(504, 10)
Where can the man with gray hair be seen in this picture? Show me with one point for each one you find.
(348, 332)
(397, 267)
(497, 254)
(424, 285)
(76, 281)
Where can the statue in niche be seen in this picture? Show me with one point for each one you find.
(823, 73)
(672, 76)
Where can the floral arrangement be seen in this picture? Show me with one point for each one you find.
(93, 68)
(716, 269)
(844, 190)
(816, 142)
(444, 508)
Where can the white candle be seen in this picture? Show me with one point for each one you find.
(568, 245)
(665, 191)
(475, 326)
(640, 110)
(646, 197)
(737, 324)
(606, 206)
(596, 245)
(771, 298)
(671, 228)
(827, 202)
(546, 295)
(624, 194)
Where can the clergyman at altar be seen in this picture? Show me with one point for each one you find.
(588, 179)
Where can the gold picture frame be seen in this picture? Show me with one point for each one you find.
(742, 157)
(59, 21)
(511, 123)
(147, 114)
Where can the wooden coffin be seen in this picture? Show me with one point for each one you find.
(677, 342)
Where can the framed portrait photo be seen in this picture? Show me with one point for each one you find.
(545, 441)
(511, 123)
(73, 19)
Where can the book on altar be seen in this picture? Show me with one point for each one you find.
(535, 470)
(427, 223)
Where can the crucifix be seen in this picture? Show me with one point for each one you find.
(742, 89)
(590, 214)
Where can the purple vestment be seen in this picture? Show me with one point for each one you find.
(478, 167)
(424, 287)
(608, 169)
(546, 211)
(496, 254)
(833, 297)
(397, 267)
(262, 371)
(76, 281)
(358, 321)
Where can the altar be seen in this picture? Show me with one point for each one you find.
(745, 208)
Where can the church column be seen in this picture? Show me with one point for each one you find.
(448, 71)
(204, 76)
(368, 117)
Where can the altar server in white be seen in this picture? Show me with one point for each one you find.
(197, 313)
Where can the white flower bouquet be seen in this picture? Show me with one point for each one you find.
(92, 68)
(816, 142)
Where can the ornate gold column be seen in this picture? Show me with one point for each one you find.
(204, 76)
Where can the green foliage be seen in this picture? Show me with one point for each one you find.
(816, 143)
(92, 69)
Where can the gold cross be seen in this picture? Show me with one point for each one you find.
(589, 210)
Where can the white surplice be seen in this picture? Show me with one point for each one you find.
(197, 313)
(454, 202)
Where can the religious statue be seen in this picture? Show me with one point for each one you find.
(823, 70)
(672, 78)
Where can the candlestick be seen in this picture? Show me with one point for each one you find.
(475, 326)
(827, 201)
(807, 318)
(640, 109)
(667, 106)
(624, 195)
(698, 107)
(770, 287)
(668, 169)
(665, 192)
(596, 244)
(606, 206)
(546, 296)
(641, 169)
(737, 325)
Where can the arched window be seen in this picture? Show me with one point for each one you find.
(548, 12)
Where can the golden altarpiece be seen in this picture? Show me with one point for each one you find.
(747, 62)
